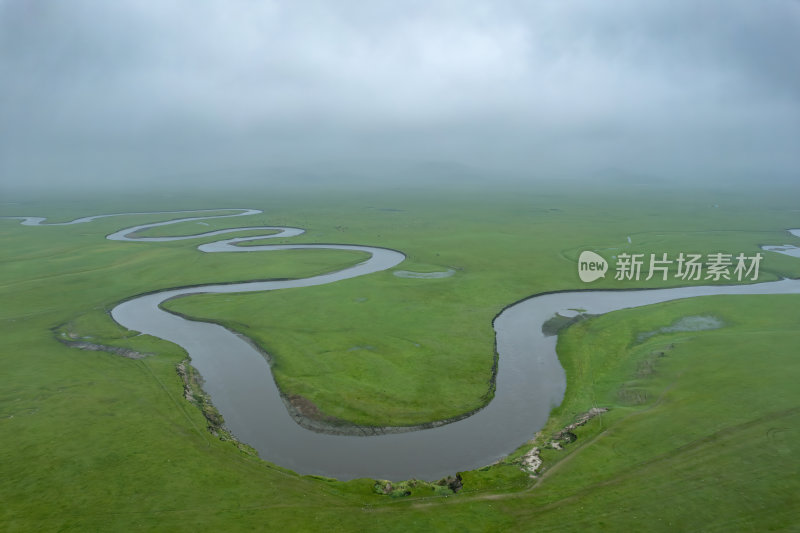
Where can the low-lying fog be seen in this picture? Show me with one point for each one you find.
(125, 94)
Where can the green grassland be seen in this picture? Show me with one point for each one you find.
(373, 351)
(702, 437)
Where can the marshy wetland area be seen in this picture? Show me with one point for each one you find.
(397, 359)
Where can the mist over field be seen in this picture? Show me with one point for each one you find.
(137, 95)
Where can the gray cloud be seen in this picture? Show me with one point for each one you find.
(112, 90)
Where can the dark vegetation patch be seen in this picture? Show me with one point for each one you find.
(558, 322)
(566, 435)
(415, 487)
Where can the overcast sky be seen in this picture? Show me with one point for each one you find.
(103, 92)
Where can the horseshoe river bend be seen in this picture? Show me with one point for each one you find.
(529, 380)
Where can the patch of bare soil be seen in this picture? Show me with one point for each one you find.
(194, 394)
(307, 409)
(531, 462)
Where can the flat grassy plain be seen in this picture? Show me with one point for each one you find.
(702, 438)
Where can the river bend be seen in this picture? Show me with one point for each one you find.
(530, 379)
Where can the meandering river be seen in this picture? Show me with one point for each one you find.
(530, 380)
